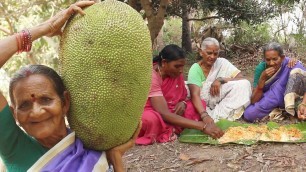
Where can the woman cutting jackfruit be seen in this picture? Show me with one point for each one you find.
(39, 103)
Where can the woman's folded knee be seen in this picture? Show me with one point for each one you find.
(248, 115)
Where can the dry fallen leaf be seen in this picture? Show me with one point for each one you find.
(249, 157)
(233, 166)
(259, 157)
(184, 157)
(249, 150)
(266, 166)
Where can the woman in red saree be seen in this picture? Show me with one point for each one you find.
(167, 110)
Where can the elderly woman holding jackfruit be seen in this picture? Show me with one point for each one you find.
(39, 102)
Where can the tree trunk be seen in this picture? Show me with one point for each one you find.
(159, 41)
(155, 25)
(186, 33)
(155, 19)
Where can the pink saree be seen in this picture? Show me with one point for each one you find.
(154, 128)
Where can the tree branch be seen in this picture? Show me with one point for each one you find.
(162, 8)
(11, 31)
(5, 30)
(177, 14)
(205, 18)
(134, 4)
(10, 25)
(147, 6)
(282, 28)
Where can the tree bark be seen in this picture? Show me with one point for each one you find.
(155, 20)
(159, 43)
(186, 33)
(135, 4)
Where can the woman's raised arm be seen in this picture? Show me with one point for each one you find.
(11, 44)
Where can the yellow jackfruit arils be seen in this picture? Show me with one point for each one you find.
(106, 64)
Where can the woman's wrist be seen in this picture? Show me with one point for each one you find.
(262, 79)
(39, 31)
(221, 80)
(201, 125)
(261, 85)
(259, 88)
(204, 115)
(185, 103)
(114, 158)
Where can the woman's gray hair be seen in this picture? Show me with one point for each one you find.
(46, 71)
(275, 47)
(209, 41)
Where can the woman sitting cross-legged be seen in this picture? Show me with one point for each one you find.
(219, 83)
(39, 103)
(278, 86)
(167, 110)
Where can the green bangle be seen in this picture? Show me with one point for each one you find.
(301, 104)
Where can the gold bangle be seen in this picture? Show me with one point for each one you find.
(204, 114)
(204, 127)
(301, 104)
(185, 103)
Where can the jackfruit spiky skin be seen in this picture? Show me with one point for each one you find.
(106, 65)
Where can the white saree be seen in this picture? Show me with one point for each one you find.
(234, 95)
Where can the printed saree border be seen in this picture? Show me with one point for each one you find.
(58, 148)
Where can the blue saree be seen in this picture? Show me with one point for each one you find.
(70, 155)
(275, 91)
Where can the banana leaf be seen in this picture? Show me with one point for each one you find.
(196, 136)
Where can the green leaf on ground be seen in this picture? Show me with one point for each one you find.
(196, 136)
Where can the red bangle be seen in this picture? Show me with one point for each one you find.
(18, 42)
(24, 41)
(28, 46)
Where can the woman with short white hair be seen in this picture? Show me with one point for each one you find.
(219, 83)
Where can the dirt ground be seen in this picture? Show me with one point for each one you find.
(176, 156)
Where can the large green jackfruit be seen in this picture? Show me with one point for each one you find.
(106, 64)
